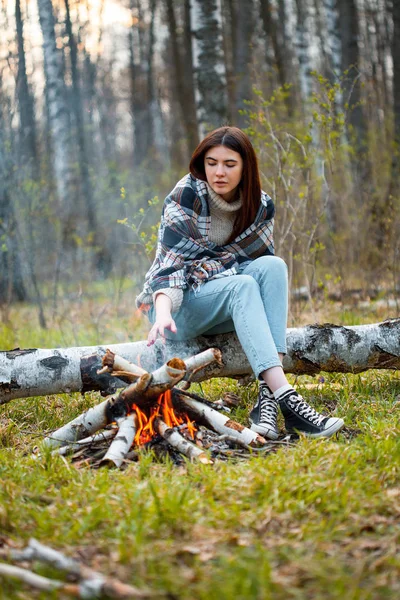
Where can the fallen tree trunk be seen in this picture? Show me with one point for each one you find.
(311, 349)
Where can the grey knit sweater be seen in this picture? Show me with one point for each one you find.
(222, 218)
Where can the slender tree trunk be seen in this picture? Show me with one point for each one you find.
(349, 27)
(83, 160)
(303, 45)
(12, 286)
(28, 144)
(138, 85)
(152, 102)
(29, 170)
(184, 90)
(242, 55)
(396, 70)
(209, 64)
(229, 30)
(275, 32)
(392, 203)
(11, 277)
(190, 102)
(327, 23)
(63, 154)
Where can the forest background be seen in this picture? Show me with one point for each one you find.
(101, 104)
(103, 101)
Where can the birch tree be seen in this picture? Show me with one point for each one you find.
(302, 47)
(396, 70)
(242, 54)
(327, 26)
(63, 151)
(142, 89)
(27, 129)
(393, 195)
(349, 28)
(183, 72)
(77, 105)
(209, 65)
(11, 280)
(275, 33)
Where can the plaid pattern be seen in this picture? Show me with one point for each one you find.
(184, 256)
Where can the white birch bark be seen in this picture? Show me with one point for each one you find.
(302, 45)
(63, 155)
(177, 441)
(209, 65)
(91, 584)
(37, 581)
(83, 426)
(122, 442)
(333, 38)
(218, 422)
(311, 349)
(91, 440)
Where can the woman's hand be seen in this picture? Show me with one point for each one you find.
(163, 320)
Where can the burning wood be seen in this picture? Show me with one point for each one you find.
(86, 582)
(176, 440)
(152, 407)
(218, 422)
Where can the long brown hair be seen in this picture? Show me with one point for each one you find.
(250, 186)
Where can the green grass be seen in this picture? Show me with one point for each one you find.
(319, 520)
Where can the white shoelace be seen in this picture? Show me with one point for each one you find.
(305, 410)
(269, 411)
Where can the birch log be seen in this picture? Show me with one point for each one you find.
(204, 414)
(311, 349)
(92, 584)
(120, 446)
(83, 426)
(173, 437)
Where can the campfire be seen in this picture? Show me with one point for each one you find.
(156, 411)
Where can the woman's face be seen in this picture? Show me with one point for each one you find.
(224, 168)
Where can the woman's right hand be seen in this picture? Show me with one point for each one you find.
(163, 320)
(161, 324)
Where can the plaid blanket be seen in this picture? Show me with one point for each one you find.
(184, 256)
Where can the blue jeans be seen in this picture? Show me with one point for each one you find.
(253, 303)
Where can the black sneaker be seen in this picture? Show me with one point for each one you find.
(300, 416)
(264, 414)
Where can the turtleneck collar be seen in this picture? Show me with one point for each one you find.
(220, 204)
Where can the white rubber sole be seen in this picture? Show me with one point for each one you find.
(333, 427)
(265, 432)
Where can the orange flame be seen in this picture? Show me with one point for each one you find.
(163, 408)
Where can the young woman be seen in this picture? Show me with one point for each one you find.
(215, 271)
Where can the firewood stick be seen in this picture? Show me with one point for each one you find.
(83, 426)
(92, 584)
(93, 439)
(37, 581)
(121, 444)
(200, 361)
(173, 437)
(217, 421)
(145, 391)
(113, 363)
